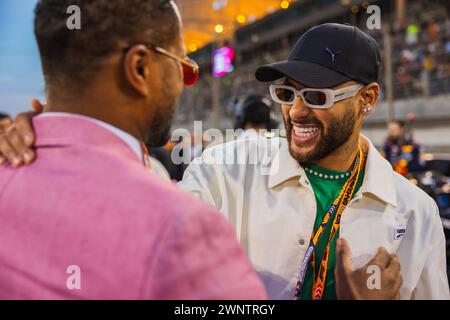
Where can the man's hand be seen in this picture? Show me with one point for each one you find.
(16, 144)
(4, 124)
(354, 284)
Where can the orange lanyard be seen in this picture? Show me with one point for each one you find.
(146, 155)
(338, 206)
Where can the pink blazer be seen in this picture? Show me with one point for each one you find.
(87, 221)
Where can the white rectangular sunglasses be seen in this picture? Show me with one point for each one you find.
(312, 98)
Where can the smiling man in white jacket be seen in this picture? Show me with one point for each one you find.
(277, 195)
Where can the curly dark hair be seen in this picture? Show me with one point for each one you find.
(72, 57)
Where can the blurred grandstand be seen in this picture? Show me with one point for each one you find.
(415, 44)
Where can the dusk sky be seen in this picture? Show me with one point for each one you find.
(20, 67)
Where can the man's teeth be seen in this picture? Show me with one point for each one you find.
(305, 132)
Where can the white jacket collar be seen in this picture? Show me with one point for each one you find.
(378, 175)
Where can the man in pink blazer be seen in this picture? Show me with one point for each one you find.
(88, 201)
(87, 219)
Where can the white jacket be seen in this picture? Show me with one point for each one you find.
(272, 207)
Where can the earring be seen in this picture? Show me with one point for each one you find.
(366, 110)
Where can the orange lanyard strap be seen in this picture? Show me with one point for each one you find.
(319, 281)
(338, 206)
(146, 155)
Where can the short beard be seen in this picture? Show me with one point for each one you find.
(338, 133)
(160, 126)
(160, 130)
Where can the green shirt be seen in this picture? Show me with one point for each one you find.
(325, 190)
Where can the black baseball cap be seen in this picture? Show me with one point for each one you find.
(326, 56)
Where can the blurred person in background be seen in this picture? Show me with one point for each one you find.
(433, 30)
(404, 81)
(89, 200)
(412, 33)
(254, 115)
(402, 152)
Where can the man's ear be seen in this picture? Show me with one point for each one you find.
(369, 94)
(136, 69)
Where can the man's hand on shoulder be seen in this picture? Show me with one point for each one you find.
(16, 143)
